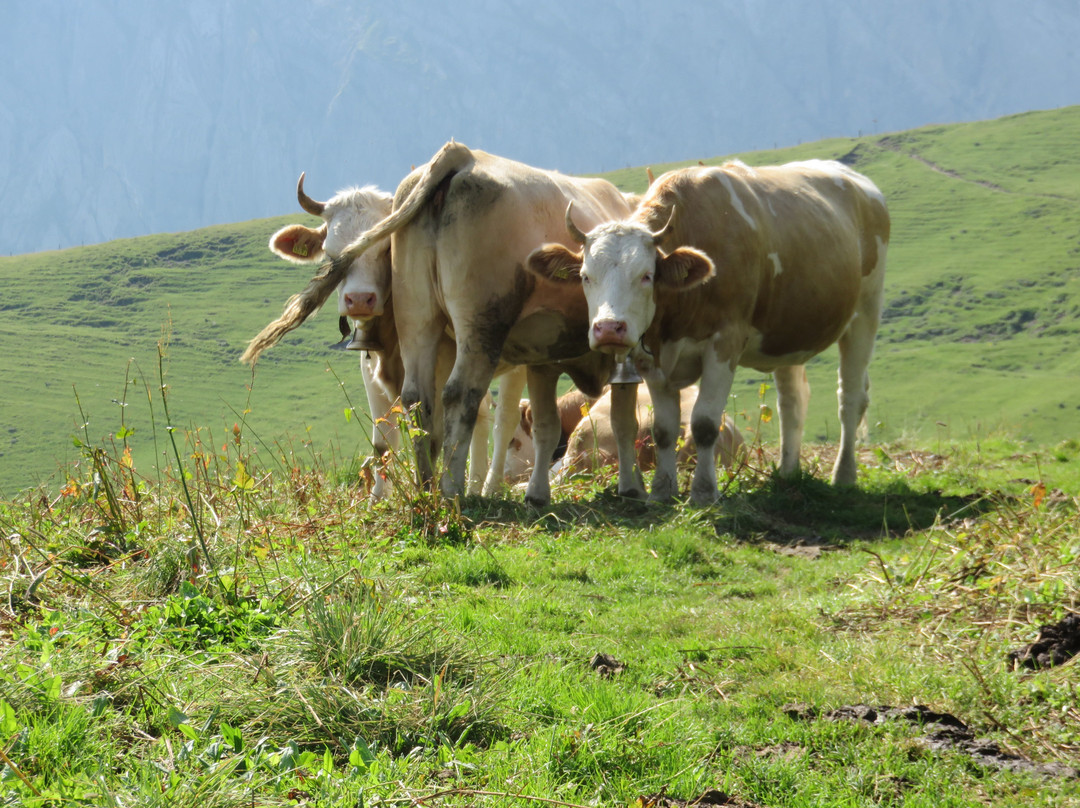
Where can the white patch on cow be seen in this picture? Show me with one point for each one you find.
(777, 268)
(841, 173)
(736, 202)
(882, 249)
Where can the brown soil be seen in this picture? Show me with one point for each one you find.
(944, 732)
(1055, 645)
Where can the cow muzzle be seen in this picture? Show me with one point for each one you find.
(360, 305)
(610, 335)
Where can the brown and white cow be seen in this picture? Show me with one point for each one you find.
(588, 442)
(462, 228)
(572, 407)
(721, 267)
(364, 297)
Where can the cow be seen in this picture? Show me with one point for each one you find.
(732, 265)
(589, 442)
(461, 229)
(364, 297)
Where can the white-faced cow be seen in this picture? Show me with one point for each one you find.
(721, 267)
(462, 228)
(364, 296)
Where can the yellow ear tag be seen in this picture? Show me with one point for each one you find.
(301, 249)
(562, 273)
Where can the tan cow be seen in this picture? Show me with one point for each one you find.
(572, 407)
(589, 442)
(721, 267)
(461, 230)
(364, 297)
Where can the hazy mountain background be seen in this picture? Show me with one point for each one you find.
(122, 118)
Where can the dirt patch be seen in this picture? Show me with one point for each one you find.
(606, 665)
(1055, 645)
(711, 797)
(944, 733)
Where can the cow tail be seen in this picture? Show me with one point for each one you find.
(450, 159)
(297, 309)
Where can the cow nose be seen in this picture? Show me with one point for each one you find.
(609, 331)
(360, 304)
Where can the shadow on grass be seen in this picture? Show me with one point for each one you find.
(799, 510)
(808, 510)
(603, 508)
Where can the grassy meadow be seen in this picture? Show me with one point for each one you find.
(981, 322)
(244, 633)
(199, 605)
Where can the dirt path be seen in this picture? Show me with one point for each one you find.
(894, 145)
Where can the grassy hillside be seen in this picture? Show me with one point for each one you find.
(981, 328)
(982, 312)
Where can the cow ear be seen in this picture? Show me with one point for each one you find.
(556, 263)
(299, 244)
(526, 416)
(683, 268)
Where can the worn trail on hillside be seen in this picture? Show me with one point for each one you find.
(894, 145)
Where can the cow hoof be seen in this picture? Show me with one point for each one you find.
(664, 490)
(844, 476)
(633, 493)
(704, 498)
(537, 502)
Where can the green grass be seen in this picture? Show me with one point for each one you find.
(248, 630)
(981, 323)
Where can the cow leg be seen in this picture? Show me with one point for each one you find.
(478, 447)
(507, 416)
(419, 356)
(546, 430)
(624, 425)
(385, 435)
(856, 347)
(793, 396)
(465, 389)
(665, 431)
(705, 422)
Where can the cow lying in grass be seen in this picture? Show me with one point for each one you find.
(588, 442)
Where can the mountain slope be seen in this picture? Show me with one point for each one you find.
(981, 323)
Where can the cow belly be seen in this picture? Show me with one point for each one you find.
(753, 356)
(544, 337)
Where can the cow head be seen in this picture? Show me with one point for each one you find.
(620, 267)
(366, 287)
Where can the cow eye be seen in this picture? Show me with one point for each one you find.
(585, 279)
(647, 277)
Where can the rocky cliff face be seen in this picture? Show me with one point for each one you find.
(123, 118)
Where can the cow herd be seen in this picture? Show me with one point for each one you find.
(481, 267)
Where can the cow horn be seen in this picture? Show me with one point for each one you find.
(572, 228)
(306, 202)
(658, 235)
